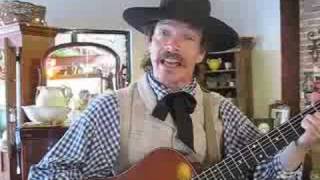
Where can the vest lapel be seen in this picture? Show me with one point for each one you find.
(147, 95)
(143, 129)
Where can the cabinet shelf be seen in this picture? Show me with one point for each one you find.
(221, 71)
(225, 52)
(75, 76)
(27, 43)
(233, 79)
(69, 60)
(222, 88)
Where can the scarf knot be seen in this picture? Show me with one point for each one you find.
(180, 105)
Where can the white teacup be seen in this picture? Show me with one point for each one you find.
(228, 65)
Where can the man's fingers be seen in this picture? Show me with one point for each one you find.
(311, 125)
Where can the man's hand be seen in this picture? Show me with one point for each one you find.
(311, 124)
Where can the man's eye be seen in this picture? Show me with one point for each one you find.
(189, 37)
(164, 32)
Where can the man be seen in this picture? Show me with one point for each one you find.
(118, 130)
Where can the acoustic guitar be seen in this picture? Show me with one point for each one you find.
(168, 164)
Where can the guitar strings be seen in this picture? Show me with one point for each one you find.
(224, 168)
(292, 121)
(295, 121)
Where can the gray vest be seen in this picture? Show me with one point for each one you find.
(141, 133)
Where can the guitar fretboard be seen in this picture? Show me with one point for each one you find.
(261, 149)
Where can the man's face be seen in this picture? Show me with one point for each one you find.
(174, 51)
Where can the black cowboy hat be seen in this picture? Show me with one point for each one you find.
(220, 36)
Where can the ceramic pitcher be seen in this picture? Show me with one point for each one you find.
(53, 96)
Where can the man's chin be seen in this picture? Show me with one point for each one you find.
(172, 82)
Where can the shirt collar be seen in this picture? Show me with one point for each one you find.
(161, 90)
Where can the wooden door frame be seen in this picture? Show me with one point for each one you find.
(290, 64)
(290, 54)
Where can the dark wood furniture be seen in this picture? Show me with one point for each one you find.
(290, 66)
(4, 166)
(24, 45)
(290, 54)
(233, 82)
(28, 44)
(36, 142)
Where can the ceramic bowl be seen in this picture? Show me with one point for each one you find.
(46, 114)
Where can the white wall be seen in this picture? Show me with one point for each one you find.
(258, 18)
(97, 14)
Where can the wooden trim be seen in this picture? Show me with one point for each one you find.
(2, 161)
(35, 143)
(10, 63)
(290, 54)
(15, 32)
(26, 29)
(38, 30)
(75, 76)
(246, 91)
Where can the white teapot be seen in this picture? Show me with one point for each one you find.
(53, 96)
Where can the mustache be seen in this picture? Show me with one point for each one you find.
(171, 55)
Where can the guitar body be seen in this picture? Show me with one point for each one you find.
(168, 164)
(161, 164)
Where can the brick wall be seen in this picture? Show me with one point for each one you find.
(309, 67)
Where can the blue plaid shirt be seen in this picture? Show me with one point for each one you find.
(91, 146)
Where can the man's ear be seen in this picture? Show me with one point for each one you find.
(201, 56)
(147, 40)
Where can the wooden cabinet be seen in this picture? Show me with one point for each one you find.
(23, 47)
(36, 142)
(26, 46)
(4, 166)
(232, 78)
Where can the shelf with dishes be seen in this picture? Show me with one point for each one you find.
(75, 67)
(229, 74)
(221, 80)
(230, 51)
(221, 88)
(71, 70)
(69, 60)
(221, 71)
(74, 76)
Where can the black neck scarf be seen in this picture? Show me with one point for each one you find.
(180, 105)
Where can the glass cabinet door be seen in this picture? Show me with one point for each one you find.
(83, 67)
(3, 118)
(7, 94)
(81, 71)
(118, 41)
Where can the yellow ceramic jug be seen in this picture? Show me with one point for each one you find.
(214, 63)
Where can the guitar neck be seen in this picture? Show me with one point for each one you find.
(263, 148)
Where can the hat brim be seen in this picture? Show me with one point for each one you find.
(220, 36)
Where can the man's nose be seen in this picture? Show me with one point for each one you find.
(172, 44)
